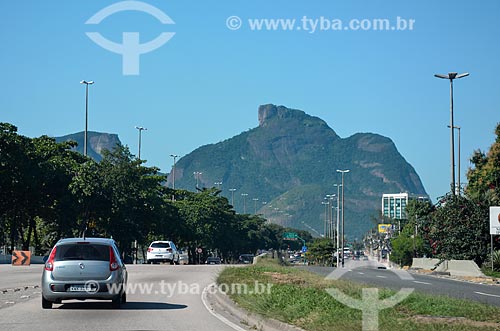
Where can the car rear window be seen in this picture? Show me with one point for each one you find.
(93, 252)
(160, 245)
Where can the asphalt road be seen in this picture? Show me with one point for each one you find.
(360, 272)
(160, 297)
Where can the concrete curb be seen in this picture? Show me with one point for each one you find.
(222, 304)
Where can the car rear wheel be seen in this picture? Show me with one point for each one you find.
(117, 301)
(46, 304)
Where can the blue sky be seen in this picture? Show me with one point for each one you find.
(206, 83)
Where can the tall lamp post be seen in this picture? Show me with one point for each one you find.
(197, 175)
(326, 218)
(330, 215)
(218, 184)
(244, 195)
(255, 205)
(140, 129)
(87, 83)
(338, 221)
(232, 196)
(451, 76)
(342, 238)
(459, 187)
(173, 170)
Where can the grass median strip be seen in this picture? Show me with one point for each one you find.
(300, 298)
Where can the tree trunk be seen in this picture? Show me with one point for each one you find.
(26, 246)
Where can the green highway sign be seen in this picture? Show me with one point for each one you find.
(290, 236)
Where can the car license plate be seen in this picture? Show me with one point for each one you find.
(80, 288)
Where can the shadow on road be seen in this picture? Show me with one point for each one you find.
(127, 306)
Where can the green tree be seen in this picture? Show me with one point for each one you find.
(135, 197)
(460, 229)
(321, 251)
(484, 176)
(407, 245)
(34, 176)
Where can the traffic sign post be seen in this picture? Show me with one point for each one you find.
(293, 236)
(199, 250)
(494, 228)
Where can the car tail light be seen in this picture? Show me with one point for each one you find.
(49, 265)
(150, 249)
(169, 250)
(113, 264)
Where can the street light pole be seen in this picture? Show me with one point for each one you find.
(173, 170)
(87, 83)
(140, 128)
(458, 186)
(197, 176)
(244, 195)
(343, 172)
(338, 221)
(326, 218)
(232, 196)
(451, 76)
(330, 215)
(255, 205)
(218, 184)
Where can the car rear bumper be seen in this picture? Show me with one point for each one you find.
(167, 257)
(57, 290)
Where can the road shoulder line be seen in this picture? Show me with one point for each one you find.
(218, 303)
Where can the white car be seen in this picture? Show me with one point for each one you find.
(162, 251)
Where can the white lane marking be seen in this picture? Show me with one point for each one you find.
(361, 273)
(418, 282)
(488, 295)
(381, 277)
(220, 317)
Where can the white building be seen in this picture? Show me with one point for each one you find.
(394, 205)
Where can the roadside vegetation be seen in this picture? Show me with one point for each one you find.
(300, 298)
(457, 227)
(48, 192)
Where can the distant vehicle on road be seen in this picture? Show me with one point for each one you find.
(246, 258)
(162, 251)
(84, 268)
(213, 260)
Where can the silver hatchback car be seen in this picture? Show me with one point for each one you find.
(84, 268)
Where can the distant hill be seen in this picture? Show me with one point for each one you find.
(289, 162)
(97, 142)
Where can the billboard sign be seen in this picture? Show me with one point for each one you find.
(384, 228)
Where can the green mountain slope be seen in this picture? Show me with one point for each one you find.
(97, 142)
(289, 163)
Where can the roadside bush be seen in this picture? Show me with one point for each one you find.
(496, 261)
